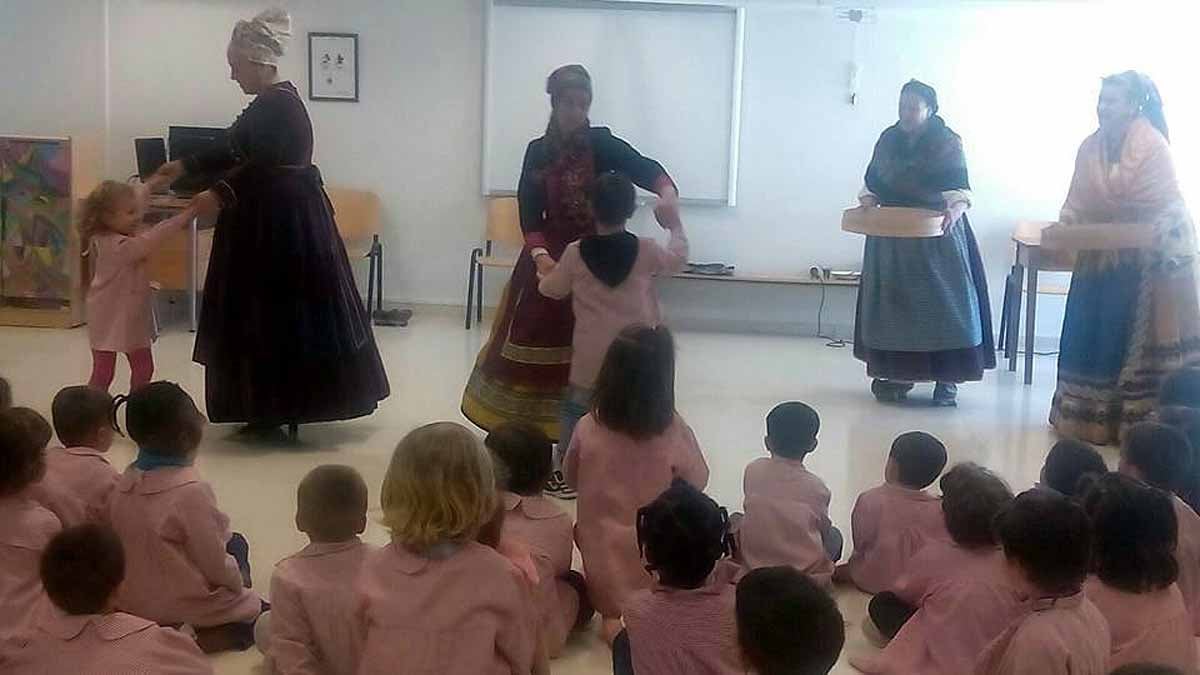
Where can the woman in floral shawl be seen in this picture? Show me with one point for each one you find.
(521, 373)
(1132, 315)
(923, 313)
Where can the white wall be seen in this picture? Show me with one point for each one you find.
(1017, 80)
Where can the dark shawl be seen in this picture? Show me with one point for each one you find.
(916, 174)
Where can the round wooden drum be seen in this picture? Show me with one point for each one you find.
(892, 221)
(1097, 236)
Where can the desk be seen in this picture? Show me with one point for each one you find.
(1030, 260)
(768, 279)
(181, 264)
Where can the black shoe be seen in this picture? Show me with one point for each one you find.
(887, 391)
(945, 395)
(557, 487)
(393, 317)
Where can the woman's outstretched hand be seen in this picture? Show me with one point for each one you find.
(666, 212)
(168, 173)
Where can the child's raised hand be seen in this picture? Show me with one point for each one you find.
(206, 205)
(667, 215)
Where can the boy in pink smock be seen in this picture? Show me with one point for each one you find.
(78, 478)
(1161, 456)
(522, 454)
(1047, 548)
(623, 455)
(82, 633)
(1134, 572)
(786, 519)
(26, 527)
(312, 626)
(434, 600)
(787, 623)
(183, 559)
(893, 521)
(954, 598)
(686, 622)
(120, 301)
(610, 278)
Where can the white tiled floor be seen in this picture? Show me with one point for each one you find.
(726, 384)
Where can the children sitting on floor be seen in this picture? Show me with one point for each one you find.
(434, 600)
(185, 564)
(786, 519)
(312, 626)
(622, 456)
(787, 624)
(1046, 539)
(81, 569)
(1067, 463)
(521, 453)
(893, 521)
(1160, 456)
(26, 527)
(610, 278)
(1134, 572)
(78, 477)
(953, 598)
(685, 623)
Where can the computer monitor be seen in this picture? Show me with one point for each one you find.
(187, 141)
(151, 153)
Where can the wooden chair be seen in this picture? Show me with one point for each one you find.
(504, 228)
(357, 215)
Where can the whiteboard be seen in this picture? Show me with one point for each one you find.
(666, 78)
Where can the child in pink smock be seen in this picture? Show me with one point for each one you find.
(434, 600)
(78, 477)
(1067, 463)
(83, 634)
(893, 521)
(521, 453)
(610, 278)
(954, 598)
(312, 626)
(1047, 547)
(622, 456)
(1161, 456)
(686, 622)
(786, 519)
(786, 623)
(1134, 572)
(185, 564)
(25, 526)
(119, 299)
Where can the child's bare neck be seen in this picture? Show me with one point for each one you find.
(602, 229)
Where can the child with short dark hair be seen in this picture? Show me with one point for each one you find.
(1134, 572)
(686, 623)
(81, 570)
(185, 564)
(26, 527)
(1161, 456)
(1067, 463)
(1047, 544)
(890, 523)
(434, 599)
(622, 456)
(79, 478)
(954, 597)
(521, 453)
(313, 625)
(787, 624)
(786, 520)
(610, 278)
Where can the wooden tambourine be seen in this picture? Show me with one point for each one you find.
(892, 221)
(1097, 237)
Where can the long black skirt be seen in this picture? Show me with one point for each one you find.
(283, 334)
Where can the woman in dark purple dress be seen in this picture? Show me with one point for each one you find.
(283, 334)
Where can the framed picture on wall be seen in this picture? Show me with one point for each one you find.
(333, 66)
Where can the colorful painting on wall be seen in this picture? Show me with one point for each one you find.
(35, 222)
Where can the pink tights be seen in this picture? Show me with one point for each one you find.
(104, 365)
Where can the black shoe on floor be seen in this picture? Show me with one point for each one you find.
(393, 317)
(887, 391)
(945, 395)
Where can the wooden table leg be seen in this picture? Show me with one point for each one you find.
(1030, 317)
(193, 270)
